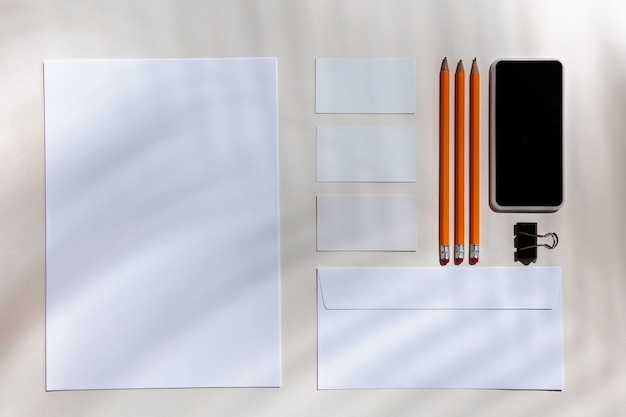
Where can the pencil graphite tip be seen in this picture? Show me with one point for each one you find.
(444, 64)
(459, 67)
(474, 67)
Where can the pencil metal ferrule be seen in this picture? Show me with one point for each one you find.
(444, 254)
(474, 253)
(459, 253)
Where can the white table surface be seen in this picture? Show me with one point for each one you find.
(587, 36)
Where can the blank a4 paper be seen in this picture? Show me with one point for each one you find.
(162, 242)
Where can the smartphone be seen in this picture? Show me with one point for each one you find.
(526, 135)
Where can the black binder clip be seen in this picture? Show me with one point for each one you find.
(525, 242)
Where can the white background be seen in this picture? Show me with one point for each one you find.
(587, 36)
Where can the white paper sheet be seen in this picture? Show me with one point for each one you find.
(366, 154)
(366, 223)
(475, 327)
(365, 85)
(161, 224)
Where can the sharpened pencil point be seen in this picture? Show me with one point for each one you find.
(459, 67)
(444, 64)
(474, 67)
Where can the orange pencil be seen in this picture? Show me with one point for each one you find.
(459, 164)
(444, 163)
(474, 162)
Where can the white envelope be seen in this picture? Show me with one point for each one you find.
(483, 328)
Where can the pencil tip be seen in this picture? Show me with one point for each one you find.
(474, 66)
(459, 67)
(444, 64)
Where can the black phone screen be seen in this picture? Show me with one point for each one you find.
(527, 135)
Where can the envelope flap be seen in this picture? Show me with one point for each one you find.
(440, 288)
